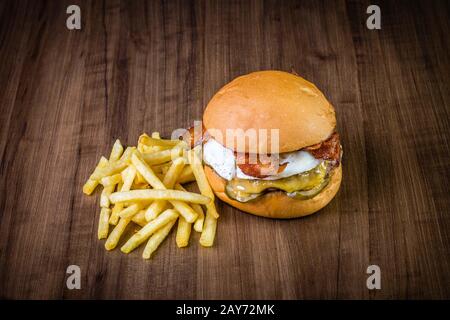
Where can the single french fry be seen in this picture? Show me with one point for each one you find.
(169, 180)
(198, 224)
(111, 180)
(139, 237)
(104, 197)
(92, 183)
(114, 217)
(90, 186)
(116, 233)
(109, 170)
(103, 224)
(156, 239)
(149, 141)
(142, 148)
(116, 151)
(139, 218)
(203, 185)
(185, 210)
(163, 156)
(183, 232)
(209, 230)
(156, 135)
(103, 163)
(126, 155)
(174, 171)
(158, 194)
(128, 177)
(130, 211)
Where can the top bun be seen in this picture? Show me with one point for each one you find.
(270, 100)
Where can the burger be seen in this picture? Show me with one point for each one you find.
(292, 173)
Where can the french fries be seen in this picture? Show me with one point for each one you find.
(185, 210)
(111, 180)
(92, 183)
(128, 176)
(130, 211)
(209, 230)
(103, 224)
(146, 149)
(126, 156)
(198, 225)
(146, 172)
(161, 168)
(150, 141)
(138, 238)
(104, 197)
(169, 180)
(162, 156)
(156, 239)
(139, 218)
(115, 235)
(109, 170)
(210, 223)
(186, 175)
(143, 185)
(116, 151)
(183, 232)
(150, 149)
(205, 189)
(158, 194)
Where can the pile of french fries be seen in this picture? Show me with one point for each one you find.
(143, 185)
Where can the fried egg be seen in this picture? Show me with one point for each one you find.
(223, 161)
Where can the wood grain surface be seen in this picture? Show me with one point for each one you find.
(137, 66)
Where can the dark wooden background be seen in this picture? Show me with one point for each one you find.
(141, 66)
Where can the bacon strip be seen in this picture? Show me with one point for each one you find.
(329, 149)
(258, 170)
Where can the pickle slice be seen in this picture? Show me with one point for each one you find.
(308, 194)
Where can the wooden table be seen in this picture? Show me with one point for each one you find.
(137, 66)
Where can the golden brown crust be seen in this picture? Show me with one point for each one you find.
(271, 100)
(278, 204)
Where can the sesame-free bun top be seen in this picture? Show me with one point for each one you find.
(270, 100)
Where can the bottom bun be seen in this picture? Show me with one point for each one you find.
(276, 204)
